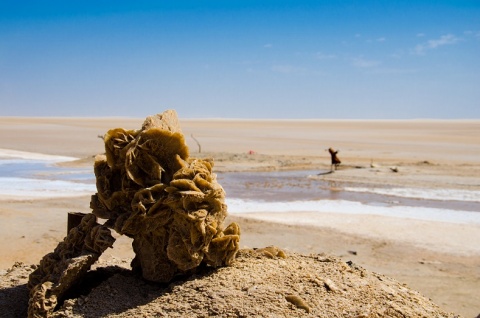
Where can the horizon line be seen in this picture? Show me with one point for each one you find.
(249, 119)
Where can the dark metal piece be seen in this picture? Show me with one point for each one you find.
(74, 219)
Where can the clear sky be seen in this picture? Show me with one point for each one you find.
(241, 59)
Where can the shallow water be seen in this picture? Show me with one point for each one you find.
(247, 192)
(240, 206)
(27, 188)
(24, 179)
(287, 186)
(41, 169)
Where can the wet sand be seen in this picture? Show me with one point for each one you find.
(428, 155)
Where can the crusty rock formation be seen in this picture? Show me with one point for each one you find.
(60, 270)
(149, 189)
(171, 205)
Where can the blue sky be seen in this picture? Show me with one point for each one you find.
(241, 59)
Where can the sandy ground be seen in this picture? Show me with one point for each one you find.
(441, 260)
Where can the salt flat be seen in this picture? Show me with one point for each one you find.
(434, 257)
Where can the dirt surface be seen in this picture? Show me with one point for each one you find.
(256, 285)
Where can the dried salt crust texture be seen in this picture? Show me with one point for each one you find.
(148, 189)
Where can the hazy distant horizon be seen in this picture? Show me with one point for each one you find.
(256, 118)
(241, 59)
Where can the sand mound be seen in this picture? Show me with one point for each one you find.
(256, 285)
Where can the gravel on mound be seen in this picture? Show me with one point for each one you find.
(256, 285)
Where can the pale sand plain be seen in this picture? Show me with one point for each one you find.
(439, 259)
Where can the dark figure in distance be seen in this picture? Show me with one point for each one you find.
(335, 160)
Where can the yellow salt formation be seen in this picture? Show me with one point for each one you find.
(149, 189)
(170, 204)
(65, 266)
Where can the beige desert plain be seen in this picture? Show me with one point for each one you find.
(439, 259)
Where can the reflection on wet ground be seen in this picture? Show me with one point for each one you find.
(297, 186)
(258, 186)
(37, 169)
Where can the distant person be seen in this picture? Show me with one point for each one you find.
(335, 160)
